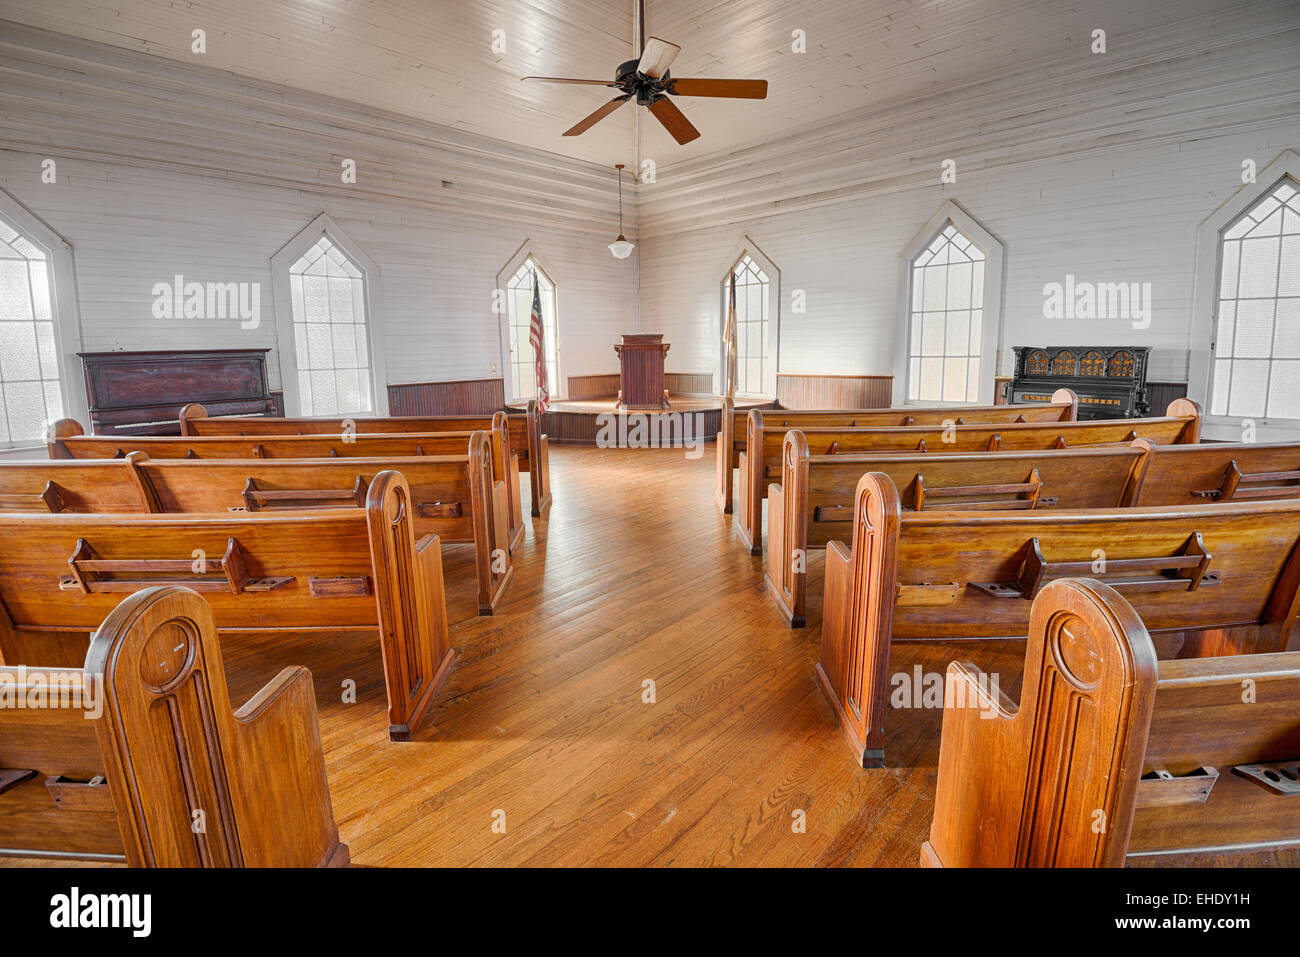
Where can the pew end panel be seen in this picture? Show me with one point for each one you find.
(189, 412)
(539, 468)
(1052, 783)
(1191, 410)
(58, 431)
(726, 456)
(787, 532)
(505, 469)
(412, 609)
(1070, 400)
(175, 752)
(490, 515)
(858, 619)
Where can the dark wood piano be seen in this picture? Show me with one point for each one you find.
(141, 393)
(1110, 383)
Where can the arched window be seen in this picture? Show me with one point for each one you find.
(947, 320)
(950, 282)
(1256, 371)
(326, 291)
(522, 382)
(38, 326)
(757, 320)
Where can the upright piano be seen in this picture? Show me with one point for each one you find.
(1110, 383)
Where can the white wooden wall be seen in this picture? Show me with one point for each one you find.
(210, 180)
(1100, 167)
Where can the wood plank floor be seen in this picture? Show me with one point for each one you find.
(632, 577)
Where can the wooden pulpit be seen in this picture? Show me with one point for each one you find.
(641, 372)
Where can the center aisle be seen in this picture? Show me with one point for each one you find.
(632, 577)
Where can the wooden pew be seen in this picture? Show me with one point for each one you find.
(68, 441)
(1112, 756)
(732, 440)
(813, 503)
(968, 574)
(1215, 472)
(517, 434)
(759, 471)
(279, 572)
(145, 739)
(454, 497)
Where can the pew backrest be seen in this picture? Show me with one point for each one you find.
(68, 441)
(733, 438)
(762, 461)
(1215, 472)
(813, 504)
(516, 434)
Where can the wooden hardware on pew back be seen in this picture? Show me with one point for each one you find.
(256, 499)
(48, 500)
(1032, 486)
(1235, 481)
(1190, 568)
(86, 572)
(1280, 777)
(1162, 789)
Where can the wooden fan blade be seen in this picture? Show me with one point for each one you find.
(656, 57)
(585, 124)
(738, 89)
(560, 79)
(674, 120)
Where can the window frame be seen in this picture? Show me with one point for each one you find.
(1207, 278)
(64, 303)
(287, 351)
(994, 249)
(772, 348)
(507, 272)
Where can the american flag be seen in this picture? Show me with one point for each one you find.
(539, 356)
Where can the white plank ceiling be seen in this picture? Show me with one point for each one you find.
(432, 60)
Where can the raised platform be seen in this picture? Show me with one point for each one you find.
(581, 421)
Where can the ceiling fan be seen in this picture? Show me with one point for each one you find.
(648, 80)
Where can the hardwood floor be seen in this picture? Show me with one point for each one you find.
(633, 576)
(543, 717)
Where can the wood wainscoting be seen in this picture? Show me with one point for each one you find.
(798, 390)
(1160, 394)
(456, 397)
(605, 384)
(598, 385)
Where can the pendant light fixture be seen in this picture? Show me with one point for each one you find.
(620, 247)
